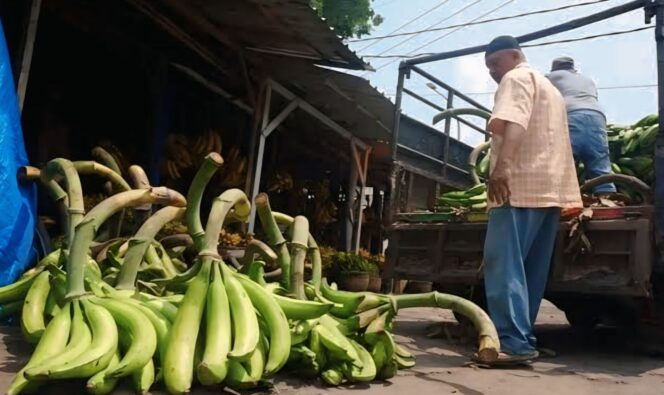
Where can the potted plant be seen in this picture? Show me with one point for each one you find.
(353, 271)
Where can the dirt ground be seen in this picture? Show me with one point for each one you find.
(603, 362)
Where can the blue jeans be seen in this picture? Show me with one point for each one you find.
(517, 256)
(587, 130)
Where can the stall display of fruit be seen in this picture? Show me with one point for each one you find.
(137, 309)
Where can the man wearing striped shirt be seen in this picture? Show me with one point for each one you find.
(532, 178)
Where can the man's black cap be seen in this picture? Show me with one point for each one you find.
(502, 42)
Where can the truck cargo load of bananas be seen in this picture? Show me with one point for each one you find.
(632, 150)
(140, 310)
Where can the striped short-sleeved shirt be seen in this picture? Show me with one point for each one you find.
(543, 174)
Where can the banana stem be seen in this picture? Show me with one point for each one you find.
(210, 165)
(53, 189)
(60, 167)
(274, 237)
(105, 158)
(231, 199)
(139, 180)
(257, 247)
(141, 241)
(115, 183)
(314, 251)
(489, 344)
(89, 167)
(300, 233)
(86, 230)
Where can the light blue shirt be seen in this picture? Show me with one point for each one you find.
(579, 92)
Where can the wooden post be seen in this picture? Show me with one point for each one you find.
(28, 49)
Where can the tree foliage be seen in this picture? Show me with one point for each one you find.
(348, 17)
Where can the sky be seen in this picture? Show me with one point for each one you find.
(615, 61)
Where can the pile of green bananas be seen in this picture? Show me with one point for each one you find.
(182, 313)
(474, 198)
(633, 148)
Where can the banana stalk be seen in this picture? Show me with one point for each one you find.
(489, 344)
(313, 250)
(299, 253)
(63, 169)
(210, 166)
(274, 237)
(87, 228)
(142, 240)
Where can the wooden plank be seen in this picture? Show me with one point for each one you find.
(28, 49)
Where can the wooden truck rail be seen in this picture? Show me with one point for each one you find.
(617, 261)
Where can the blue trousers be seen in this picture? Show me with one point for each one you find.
(590, 146)
(517, 256)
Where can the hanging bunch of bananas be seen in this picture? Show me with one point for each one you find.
(234, 173)
(134, 309)
(208, 141)
(177, 156)
(281, 181)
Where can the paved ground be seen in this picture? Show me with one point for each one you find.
(601, 363)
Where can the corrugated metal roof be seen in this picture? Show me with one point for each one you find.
(283, 27)
(348, 100)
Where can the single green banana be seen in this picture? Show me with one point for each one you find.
(100, 383)
(377, 327)
(32, 314)
(214, 365)
(242, 376)
(316, 295)
(336, 343)
(52, 343)
(372, 301)
(296, 309)
(379, 355)
(79, 340)
(349, 301)
(51, 308)
(161, 324)
(404, 363)
(166, 309)
(143, 378)
(245, 322)
(359, 321)
(274, 317)
(402, 352)
(100, 352)
(16, 290)
(139, 328)
(367, 371)
(178, 365)
(317, 347)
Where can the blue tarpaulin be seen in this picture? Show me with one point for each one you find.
(17, 202)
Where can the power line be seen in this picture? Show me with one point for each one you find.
(377, 40)
(410, 55)
(452, 32)
(435, 29)
(400, 43)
